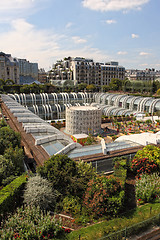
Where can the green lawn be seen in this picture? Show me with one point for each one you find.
(98, 230)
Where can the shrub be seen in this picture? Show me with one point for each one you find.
(11, 163)
(151, 152)
(143, 165)
(120, 166)
(148, 188)
(39, 192)
(85, 172)
(31, 223)
(61, 171)
(103, 196)
(67, 176)
(72, 205)
(8, 180)
(8, 138)
(11, 195)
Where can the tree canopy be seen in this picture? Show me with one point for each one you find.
(67, 176)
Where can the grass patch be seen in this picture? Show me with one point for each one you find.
(132, 217)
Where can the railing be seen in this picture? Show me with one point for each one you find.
(133, 230)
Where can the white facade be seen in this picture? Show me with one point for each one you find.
(90, 72)
(83, 119)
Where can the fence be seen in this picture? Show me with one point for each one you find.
(133, 230)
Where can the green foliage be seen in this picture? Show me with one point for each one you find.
(8, 180)
(104, 196)
(2, 123)
(61, 171)
(39, 193)
(148, 188)
(120, 166)
(8, 138)
(105, 88)
(90, 140)
(31, 223)
(85, 172)
(151, 152)
(158, 92)
(115, 84)
(11, 163)
(10, 196)
(72, 205)
(11, 155)
(132, 220)
(66, 176)
(82, 86)
(143, 165)
(91, 87)
(16, 157)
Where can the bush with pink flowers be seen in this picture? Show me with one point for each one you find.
(103, 196)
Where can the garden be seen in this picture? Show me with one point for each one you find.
(65, 196)
(116, 126)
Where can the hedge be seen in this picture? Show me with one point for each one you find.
(11, 195)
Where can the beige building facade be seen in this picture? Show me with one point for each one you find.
(9, 67)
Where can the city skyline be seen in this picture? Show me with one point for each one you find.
(45, 31)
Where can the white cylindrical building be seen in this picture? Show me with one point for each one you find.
(83, 119)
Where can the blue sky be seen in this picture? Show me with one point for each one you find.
(44, 31)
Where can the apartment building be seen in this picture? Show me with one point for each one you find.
(28, 71)
(82, 70)
(142, 75)
(9, 67)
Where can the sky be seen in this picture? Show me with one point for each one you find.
(45, 31)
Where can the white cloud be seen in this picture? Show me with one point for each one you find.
(69, 24)
(135, 35)
(122, 53)
(13, 9)
(113, 5)
(16, 4)
(25, 41)
(111, 21)
(143, 54)
(78, 40)
(45, 47)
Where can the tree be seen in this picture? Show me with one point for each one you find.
(116, 84)
(39, 192)
(11, 164)
(105, 88)
(16, 157)
(6, 168)
(85, 172)
(9, 82)
(8, 138)
(158, 92)
(82, 86)
(91, 87)
(67, 176)
(61, 171)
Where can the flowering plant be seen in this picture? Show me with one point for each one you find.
(103, 196)
(148, 188)
(31, 223)
(143, 165)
